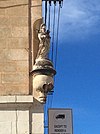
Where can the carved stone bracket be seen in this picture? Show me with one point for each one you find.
(43, 81)
(43, 71)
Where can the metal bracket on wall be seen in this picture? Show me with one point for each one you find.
(60, 1)
(53, 0)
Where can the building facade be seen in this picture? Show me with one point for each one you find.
(20, 112)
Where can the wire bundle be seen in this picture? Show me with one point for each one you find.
(52, 19)
(51, 13)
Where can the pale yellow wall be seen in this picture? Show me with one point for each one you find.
(16, 44)
(18, 48)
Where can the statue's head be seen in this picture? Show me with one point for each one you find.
(42, 28)
(42, 84)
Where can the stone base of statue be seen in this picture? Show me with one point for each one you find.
(44, 66)
(43, 82)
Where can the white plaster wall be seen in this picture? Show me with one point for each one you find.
(14, 122)
(38, 123)
(21, 115)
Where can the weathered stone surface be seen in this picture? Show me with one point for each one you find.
(8, 67)
(1, 87)
(11, 3)
(9, 119)
(22, 66)
(5, 32)
(37, 15)
(35, 2)
(17, 10)
(16, 99)
(14, 89)
(19, 32)
(8, 125)
(23, 126)
(38, 123)
(3, 57)
(14, 47)
(3, 44)
(15, 78)
(4, 21)
(15, 115)
(22, 1)
(0, 78)
(2, 11)
(18, 21)
(17, 43)
(13, 54)
(17, 54)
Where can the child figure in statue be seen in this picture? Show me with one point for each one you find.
(44, 43)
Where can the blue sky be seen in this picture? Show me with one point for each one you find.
(77, 83)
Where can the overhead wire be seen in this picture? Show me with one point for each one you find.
(52, 48)
(49, 16)
(45, 11)
(50, 96)
(45, 105)
(54, 45)
(49, 25)
(53, 31)
(45, 117)
(56, 51)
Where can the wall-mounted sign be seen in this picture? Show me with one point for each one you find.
(60, 121)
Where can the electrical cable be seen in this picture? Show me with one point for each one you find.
(51, 101)
(53, 29)
(45, 12)
(56, 51)
(49, 22)
(45, 116)
(49, 16)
